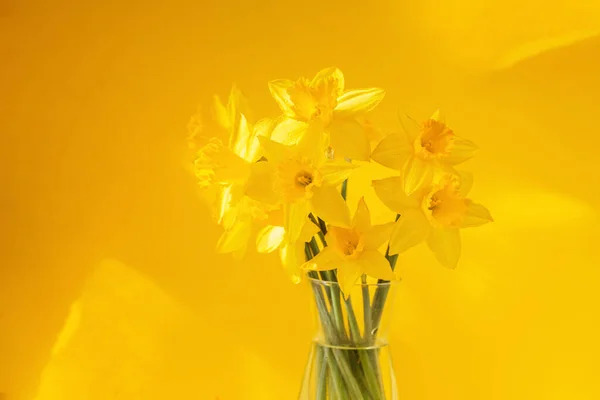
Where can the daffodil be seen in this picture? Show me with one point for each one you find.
(291, 252)
(324, 101)
(434, 214)
(374, 133)
(419, 154)
(225, 161)
(354, 250)
(301, 179)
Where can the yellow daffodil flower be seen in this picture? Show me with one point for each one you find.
(374, 134)
(302, 180)
(241, 218)
(324, 101)
(434, 214)
(420, 154)
(226, 161)
(273, 237)
(354, 250)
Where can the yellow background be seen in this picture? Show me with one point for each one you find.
(109, 287)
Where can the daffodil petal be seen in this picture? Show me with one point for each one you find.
(219, 164)
(238, 113)
(411, 229)
(237, 104)
(236, 238)
(262, 128)
(231, 169)
(275, 217)
(292, 258)
(461, 151)
(378, 235)
(294, 216)
(279, 90)
(477, 215)
(337, 171)
(436, 115)
(244, 210)
(313, 144)
(372, 131)
(260, 185)
(288, 131)
(328, 204)
(347, 275)
(331, 75)
(269, 238)
(221, 113)
(241, 137)
(308, 231)
(445, 245)
(416, 174)
(228, 204)
(362, 217)
(392, 152)
(349, 140)
(222, 203)
(374, 264)
(466, 182)
(389, 190)
(274, 151)
(410, 127)
(358, 101)
(326, 260)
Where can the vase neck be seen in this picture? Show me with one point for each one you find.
(360, 319)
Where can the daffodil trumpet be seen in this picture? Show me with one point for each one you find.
(282, 182)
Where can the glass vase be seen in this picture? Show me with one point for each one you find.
(350, 357)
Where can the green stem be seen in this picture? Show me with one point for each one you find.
(329, 329)
(355, 339)
(333, 395)
(322, 371)
(345, 189)
(323, 226)
(337, 313)
(334, 298)
(366, 298)
(373, 355)
(346, 372)
(336, 377)
(363, 355)
(381, 295)
(314, 220)
(322, 237)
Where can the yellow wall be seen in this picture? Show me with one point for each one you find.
(108, 282)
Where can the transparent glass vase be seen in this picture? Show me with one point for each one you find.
(350, 357)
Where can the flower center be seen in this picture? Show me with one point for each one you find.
(346, 241)
(296, 179)
(445, 206)
(304, 178)
(436, 139)
(313, 103)
(348, 248)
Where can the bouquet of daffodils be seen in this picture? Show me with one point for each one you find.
(281, 184)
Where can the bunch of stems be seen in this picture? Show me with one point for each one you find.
(347, 359)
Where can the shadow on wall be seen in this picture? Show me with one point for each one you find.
(540, 115)
(125, 331)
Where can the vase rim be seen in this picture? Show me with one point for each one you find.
(358, 283)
